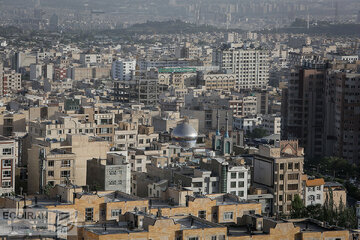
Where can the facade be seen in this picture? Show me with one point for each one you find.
(271, 123)
(123, 70)
(303, 111)
(279, 169)
(10, 82)
(314, 192)
(8, 160)
(53, 162)
(111, 174)
(218, 81)
(250, 65)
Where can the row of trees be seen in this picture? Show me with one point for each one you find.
(341, 216)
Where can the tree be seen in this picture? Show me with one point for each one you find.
(297, 208)
(257, 133)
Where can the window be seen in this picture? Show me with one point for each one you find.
(50, 163)
(293, 176)
(112, 172)
(233, 184)
(65, 163)
(119, 181)
(141, 141)
(6, 184)
(290, 165)
(197, 184)
(65, 174)
(241, 193)
(318, 196)
(89, 214)
(233, 175)
(6, 174)
(318, 188)
(112, 182)
(281, 166)
(241, 184)
(281, 176)
(311, 198)
(115, 212)
(138, 161)
(139, 169)
(213, 237)
(241, 175)
(228, 215)
(50, 173)
(292, 187)
(202, 214)
(297, 165)
(193, 238)
(7, 151)
(289, 197)
(280, 198)
(7, 162)
(281, 187)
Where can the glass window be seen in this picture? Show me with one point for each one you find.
(7, 151)
(241, 175)
(228, 215)
(233, 184)
(65, 163)
(6, 174)
(65, 174)
(50, 173)
(233, 175)
(241, 184)
(202, 214)
(89, 214)
(115, 212)
(241, 193)
(7, 162)
(51, 163)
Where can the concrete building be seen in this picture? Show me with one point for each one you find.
(110, 174)
(8, 160)
(90, 58)
(280, 169)
(271, 123)
(10, 82)
(123, 69)
(303, 109)
(11, 123)
(251, 65)
(247, 124)
(314, 192)
(337, 192)
(218, 81)
(51, 163)
(233, 178)
(36, 72)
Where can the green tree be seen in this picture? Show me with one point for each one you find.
(297, 208)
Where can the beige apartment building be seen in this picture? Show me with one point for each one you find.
(51, 163)
(8, 159)
(279, 169)
(12, 122)
(218, 81)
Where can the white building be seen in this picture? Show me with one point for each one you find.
(251, 65)
(8, 159)
(271, 123)
(238, 181)
(123, 69)
(90, 58)
(314, 192)
(247, 123)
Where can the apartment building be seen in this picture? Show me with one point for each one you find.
(271, 123)
(110, 174)
(8, 160)
(11, 123)
(314, 191)
(10, 82)
(303, 109)
(218, 81)
(53, 162)
(279, 169)
(250, 65)
(123, 69)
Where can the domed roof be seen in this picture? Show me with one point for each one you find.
(184, 131)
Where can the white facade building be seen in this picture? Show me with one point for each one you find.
(271, 123)
(247, 123)
(314, 192)
(123, 69)
(251, 65)
(8, 159)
